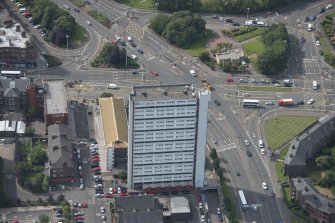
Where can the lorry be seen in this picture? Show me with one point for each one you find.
(288, 83)
(285, 101)
(206, 84)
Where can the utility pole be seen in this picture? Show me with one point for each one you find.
(98, 7)
(156, 6)
(67, 46)
(247, 18)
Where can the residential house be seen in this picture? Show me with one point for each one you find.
(61, 168)
(317, 206)
(13, 94)
(36, 96)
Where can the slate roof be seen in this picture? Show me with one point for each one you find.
(138, 203)
(11, 93)
(60, 130)
(153, 216)
(19, 84)
(309, 139)
(311, 195)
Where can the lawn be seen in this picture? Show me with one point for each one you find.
(282, 129)
(267, 88)
(79, 3)
(256, 46)
(142, 4)
(250, 35)
(279, 165)
(52, 61)
(100, 18)
(197, 47)
(282, 153)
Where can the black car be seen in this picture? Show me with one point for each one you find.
(249, 154)
(312, 18)
(217, 103)
(133, 44)
(135, 72)
(322, 10)
(76, 9)
(236, 24)
(300, 102)
(274, 82)
(238, 173)
(215, 17)
(229, 20)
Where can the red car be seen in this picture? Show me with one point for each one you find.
(81, 173)
(114, 42)
(26, 14)
(154, 73)
(79, 218)
(95, 156)
(95, 159)
(108, 195)
(96, 169)
(84, 205)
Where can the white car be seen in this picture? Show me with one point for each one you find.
(214, 141)
(203, 218)
(134, 57)
(246, 94)
(310, 101)
(317, 43)
(37, 26)
(119, 190)
(246, 142)
(329, 6)
(112, 86)
(82, 187)
(88, 22)
(98, 186)
(263, 151)
(102, 210)
(200, 205)
(103, 217)
(66, 6)
(264, 186)
(192, 72)
(269, 103)
(110, 190)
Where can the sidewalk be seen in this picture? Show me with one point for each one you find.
(26, 209)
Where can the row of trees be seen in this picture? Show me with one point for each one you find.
(181, 29)
(29, 169)
(326, 162)
(275, 56)
(54, 19)
(219, 6)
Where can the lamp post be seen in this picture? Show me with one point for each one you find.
(156, 3)
(98, 7)
(247, 17)
(67, 46)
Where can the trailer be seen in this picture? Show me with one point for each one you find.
(285, 101)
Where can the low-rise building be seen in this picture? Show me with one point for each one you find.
(115, 129)
(13, 94)
(318, 206)
(307, 145)
(233, 56)
(61, 168)
(16, 49)
(55, 104)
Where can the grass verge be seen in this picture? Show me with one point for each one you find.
(142, 4)
(196, 48)
(78, 3)
(279, 166)
(52, 61)
(249, 35)
(100, 18)
(256, 46)
(268, 89)
(281, 129)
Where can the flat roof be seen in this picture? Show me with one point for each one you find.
(114, 121)
(179, 205)
(161, 92)
(55, 99)
(12, 37)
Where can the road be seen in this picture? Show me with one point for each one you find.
(227, 122)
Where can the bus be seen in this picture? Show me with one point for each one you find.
(242, 197)
(10, 74)
(250, 103)
(315, 85)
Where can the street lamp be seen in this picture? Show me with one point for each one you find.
(98, 7)
(67, 46)
(247, 17)
(156, 3)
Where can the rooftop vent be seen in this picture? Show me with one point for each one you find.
(291, 155)
(24, 34)
(17, 28)
(165, 93)
(185, 92)
(299, 181)
(306, 188)
(144, 94)
(193, 95)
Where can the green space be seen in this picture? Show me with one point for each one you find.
(265, 88)
(142, 4)
(79, 3)
(294, 219)
(100, 18)
(281, 129)
(197, 48)
(254, 47)
(52, 60)
(249, 35)
(327, 25)
(283, 152)
(78, 36)
(279, 166)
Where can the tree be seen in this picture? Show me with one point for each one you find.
(159, 22)
(213, 154)
(29, 131)
(43, 218)
(324, 161)
(106, 95)
(60, 198)
(38, 156)
(122, 175)
(216, 164)
(31, 111)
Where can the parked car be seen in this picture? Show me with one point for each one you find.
(139, 50)
(300, 102)
(76, 10)
(310, 101)
(264, 186)
(246, 142)
(154, 73)
(236, 24)
(229, 20)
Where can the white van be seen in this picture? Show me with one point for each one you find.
(112, 86)
(192, 72)
(315, 85)
(310, 27)
(260, 143)
(22, 10)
